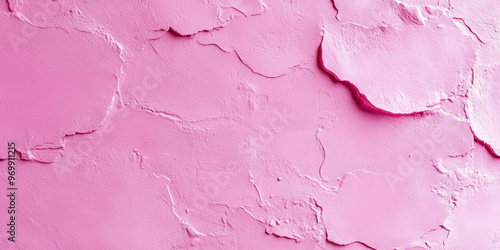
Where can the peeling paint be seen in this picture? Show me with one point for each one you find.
(252, 124)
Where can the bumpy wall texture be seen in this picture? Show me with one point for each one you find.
(250, 124)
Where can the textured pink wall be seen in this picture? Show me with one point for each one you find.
(250, 124)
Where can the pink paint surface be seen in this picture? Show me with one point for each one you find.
(251, 124)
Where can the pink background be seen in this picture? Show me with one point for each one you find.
(251, 124)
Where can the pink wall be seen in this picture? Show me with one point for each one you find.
(250, 124)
